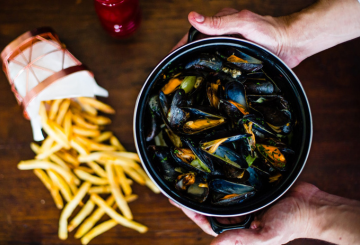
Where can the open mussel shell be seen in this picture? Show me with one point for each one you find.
(226, 156)
(235, 91)
(227, 193)
(164, 161)
(205, 61)
(205, 164)
(276, 114)
(240, 59)
(200, 121)
(277, 156)
(212, 142)
(231, 110)
(259, 126)
(193, 186)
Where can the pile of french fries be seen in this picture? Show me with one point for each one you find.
(75, 163)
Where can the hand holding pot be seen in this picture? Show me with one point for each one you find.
(304, 212)
(293, 38)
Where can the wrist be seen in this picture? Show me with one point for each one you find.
(333, 219)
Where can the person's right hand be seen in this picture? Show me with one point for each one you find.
(267, 31)
(286, 220)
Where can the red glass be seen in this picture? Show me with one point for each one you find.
(120, 18)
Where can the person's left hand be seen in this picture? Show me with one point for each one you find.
(286, 220)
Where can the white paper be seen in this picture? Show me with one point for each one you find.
(79, 84)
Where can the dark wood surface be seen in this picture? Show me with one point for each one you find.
(27, 213)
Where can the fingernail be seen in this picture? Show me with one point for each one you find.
(198, 17)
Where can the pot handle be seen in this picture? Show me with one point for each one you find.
(219, 228)
(192, 33)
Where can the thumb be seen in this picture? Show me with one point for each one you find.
(246, 236)
(215, 25)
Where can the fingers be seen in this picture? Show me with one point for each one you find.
(181, 42)
(216, 25)
(198, 219)
(246, 236)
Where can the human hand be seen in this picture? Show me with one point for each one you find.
(267, 31)
(286, 220)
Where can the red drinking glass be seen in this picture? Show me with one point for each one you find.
(120, 18)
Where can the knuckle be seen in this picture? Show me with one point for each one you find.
(216, 22)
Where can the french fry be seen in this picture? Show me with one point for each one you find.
(46, 145)
(89, 109)
(33, 164)
(36, 149)
(84, 212)
(129, 155)
(54, 191)
(120, 219)
(125, 186)
(97, 230)
(119, 198)
(62, 111)
(42, 111)
(78, 147)
(51, 187)
(93, 145)
(103, 136)
(55, 134)
(86, 169)
(56, 147)
(67, 157)
(131, 198)
(75, 106)
(85, 131)
(54, 109)
(95, 217)
(69, 208)
(134, 175)
(96, 104)
(148, 181)
(97, 169)
(99, 120)
(115, 142)
(91, 178)
(100, 189)
(78, 120)
(67, 124)
(43, 177)
(61, 184)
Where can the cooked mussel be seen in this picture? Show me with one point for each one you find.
(227, 193)
(201, 121)
(165, 162)
(240, 59)
(205, 61)
(193, 186)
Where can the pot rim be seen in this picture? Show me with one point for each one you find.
(184, 47)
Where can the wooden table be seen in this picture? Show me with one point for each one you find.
(27, 213)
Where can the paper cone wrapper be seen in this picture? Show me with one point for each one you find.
(39, 68)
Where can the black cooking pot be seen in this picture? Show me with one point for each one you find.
(286, 81)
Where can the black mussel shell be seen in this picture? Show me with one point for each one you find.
(206, 163)
(226, 193)
(154, 129)
(164, 161)
(235, 91)
(193, 186)
(205, 61)
(224, 155)
(240, 59)
(258, 87)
